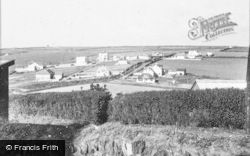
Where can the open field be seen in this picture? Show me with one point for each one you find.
(55, 55)
(113, 88)
(224, 68)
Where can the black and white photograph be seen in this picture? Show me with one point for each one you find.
(124, 78)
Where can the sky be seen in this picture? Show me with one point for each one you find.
(38, 23)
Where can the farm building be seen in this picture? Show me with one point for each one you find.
(103, 71)
(33, 66)
(44, 75)
(212, 84)
(103, 57)
(122, 62)
(81, 61)
(4, 91)
(58, 75)
(131, 57)
(49, 75)
(179, 71)
(210, 54)
(117, 58)
(193, 53)
(148, 70)
(158, 69)
(144, 57)
(146, 78)
(157, 54)
(180, 56)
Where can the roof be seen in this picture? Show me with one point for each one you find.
(145, 76)
(45, 72)
(181, 69)
(6, 63)
(212, 84)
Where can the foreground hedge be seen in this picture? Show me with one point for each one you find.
(202, 108)
(79, 106)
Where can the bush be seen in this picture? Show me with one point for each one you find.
(79, 106)
(204, 108)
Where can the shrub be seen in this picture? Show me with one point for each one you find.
(79, 106)
(205, 108)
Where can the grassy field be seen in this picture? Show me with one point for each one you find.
(113, 88)
(55, 55)
(224, 68)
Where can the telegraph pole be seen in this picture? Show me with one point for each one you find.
(248, 94)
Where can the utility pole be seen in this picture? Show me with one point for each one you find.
(248, 94)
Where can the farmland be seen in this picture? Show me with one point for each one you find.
(224, 68)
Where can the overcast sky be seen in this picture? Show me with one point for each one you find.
(36, 23)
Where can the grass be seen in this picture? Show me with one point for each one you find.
(178, 140)
(224, 68)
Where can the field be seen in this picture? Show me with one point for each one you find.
(113, 88)
(224, 68)
(55, 55)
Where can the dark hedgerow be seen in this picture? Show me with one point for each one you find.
(202, 108)
(79, 106)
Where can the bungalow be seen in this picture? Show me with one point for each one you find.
(122, 62)
(81, 61)
(44, 75)
(158, 69)
(212, 84)
(148, 70)
(131, 57)
(117, 58)
(33, 66)
(102, 72)
(210, 54)
(157, 54)
(144, 57)
(146, 78)
(179, 71)
(58, 75)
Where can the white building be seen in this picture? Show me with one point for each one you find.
(44, 75)
(148, 70)
(157, 54)
(144, 57)
(81, 61)
(49, 75)
(212, 84)
(103, 57)
(122, 62)
(33, 66)
(158, 69)
(210, 54)
(117, 58)
(177, 72)
(103, 71)
(146, 78)
(58, 75)
(131, 57)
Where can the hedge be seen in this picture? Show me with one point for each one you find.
(201, 108)
(79, 106)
